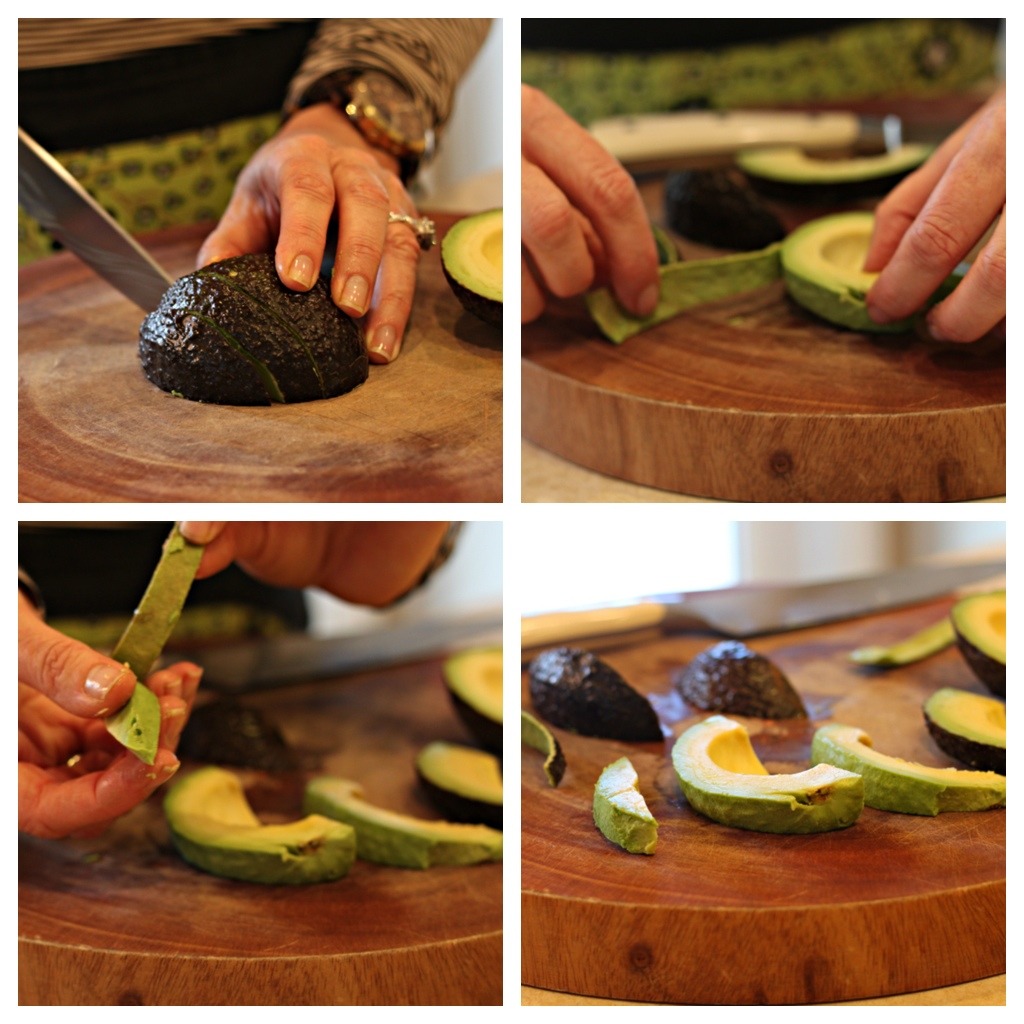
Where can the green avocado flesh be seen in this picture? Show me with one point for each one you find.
(723, 779)
(969, 727)
(214, 829)
(474, 681)
(538, 736)
(464, 783)
(923, 644)
(233, 334)
(620, 811)
(980, 625)
(892, 784)
(389, 837)
(471, 256)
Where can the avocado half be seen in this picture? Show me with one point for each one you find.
(463, 782)
(471, 256)
(474, 681)
(980, 625)
(969, 727)
(233, 334)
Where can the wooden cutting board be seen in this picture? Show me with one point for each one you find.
(894, 904)
(752, 399)
(123, 920)
(92, 428)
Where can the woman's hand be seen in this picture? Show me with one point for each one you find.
(317, 167)
(584, 222)
(933, 219)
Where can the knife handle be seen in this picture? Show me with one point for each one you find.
(556, 628)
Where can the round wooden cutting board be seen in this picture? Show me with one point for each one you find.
(752, 399)
(717, 915)
(123, 920)
(92, 428)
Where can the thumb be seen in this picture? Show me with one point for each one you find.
(243, 228)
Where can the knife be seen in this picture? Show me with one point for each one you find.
(69, 213)
(751, 611)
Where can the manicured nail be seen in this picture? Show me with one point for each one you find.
(101, 679)
(170, 769)
(302, 271)
(199, 533)
(355, 295)
(935, 333)
(384, 342)
(648, 300)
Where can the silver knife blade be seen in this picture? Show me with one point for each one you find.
(752, 611)
(67, 211)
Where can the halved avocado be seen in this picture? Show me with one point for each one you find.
(389, 837)
(474, 681)
(471, 256)
(538, 736)
(969, 727)
(213, 827)
(464, 783)
(723, 779)
(893, 784)
(620, 811)
(980, 625)
(922, 644)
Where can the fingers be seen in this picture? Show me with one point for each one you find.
(245, 226)
(175, 687)
(532, 296)
(70, 673)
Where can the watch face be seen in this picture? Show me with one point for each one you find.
(384, 107)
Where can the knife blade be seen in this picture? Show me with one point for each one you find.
(51, 195)
(751, 611)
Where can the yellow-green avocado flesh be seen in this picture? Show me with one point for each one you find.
(471, 257)
(620, 811)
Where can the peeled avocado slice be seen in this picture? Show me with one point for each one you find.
(723, 779)
(474, 681)
(620, 811)
(537, 735)
(213, 828)
(892, 784)
(464, 783)
(389, 837)
(968, 726)
(471, 255)
(980, 625)
(923, 644)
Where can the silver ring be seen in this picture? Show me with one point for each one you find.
(423, 228)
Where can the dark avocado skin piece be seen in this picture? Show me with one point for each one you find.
(225, 731)
(575, 690)
(232, 334)
(988, 670)
(730, 677)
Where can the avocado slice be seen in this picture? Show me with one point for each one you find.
(730, 677)
(576, 690)
(471, 256)
(969, 727)
(892, 784)
(537, 735)
(474, 681)
(980, 625)
(620, 811)
(723, 779)
(213, 827)
(388, 837)
(231, 333)
(922, 644)
(464, 783)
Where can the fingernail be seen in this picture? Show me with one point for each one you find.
(198, 533)
(879, 315)
(355, 295)
(935, 333)
(301, 271)
(384, 342)
(648, 300)
(101, 679)
(170, 769)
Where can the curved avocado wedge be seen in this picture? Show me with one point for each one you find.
(538, 736)
(892, 784)
(471, 256)
(474, 681)
(969, 727)
(464, 783)
(923, 644)
(980, 625)
(620, 811)
(213, 828)
(723, 779)
(389, 837)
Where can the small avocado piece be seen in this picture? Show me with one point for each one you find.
(893, 784)
(723, 779)
(980, 625)
(667, 250)
(471, 256)
(923, 644)
(969, 727)
(464, 783)
(213, 827)
(231, 333)
(620, 811)
(730, 677)
(389, 837)
(474, 681)
(538, 736)
(578, 691)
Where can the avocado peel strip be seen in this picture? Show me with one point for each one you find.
(536, 735)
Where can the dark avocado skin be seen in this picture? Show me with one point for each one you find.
(183, 347)
(224, 731)
(730, 677)
(575, 690)
(988, 670)
(826, 194)
(941, 720)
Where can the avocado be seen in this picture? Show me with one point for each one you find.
(731, 677)
(923, 644)
(136, 726)
(576, 690)
(723, 779)
(226, 731)
(463, 782)
(892, 784)
(668, 252)
(790, 174)
(233, 334)
(213, 828)
(620, 811)
(388, 837)
(471, 256)
(538, 736)
(980, 625)
(969, 727)
(473, 678)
